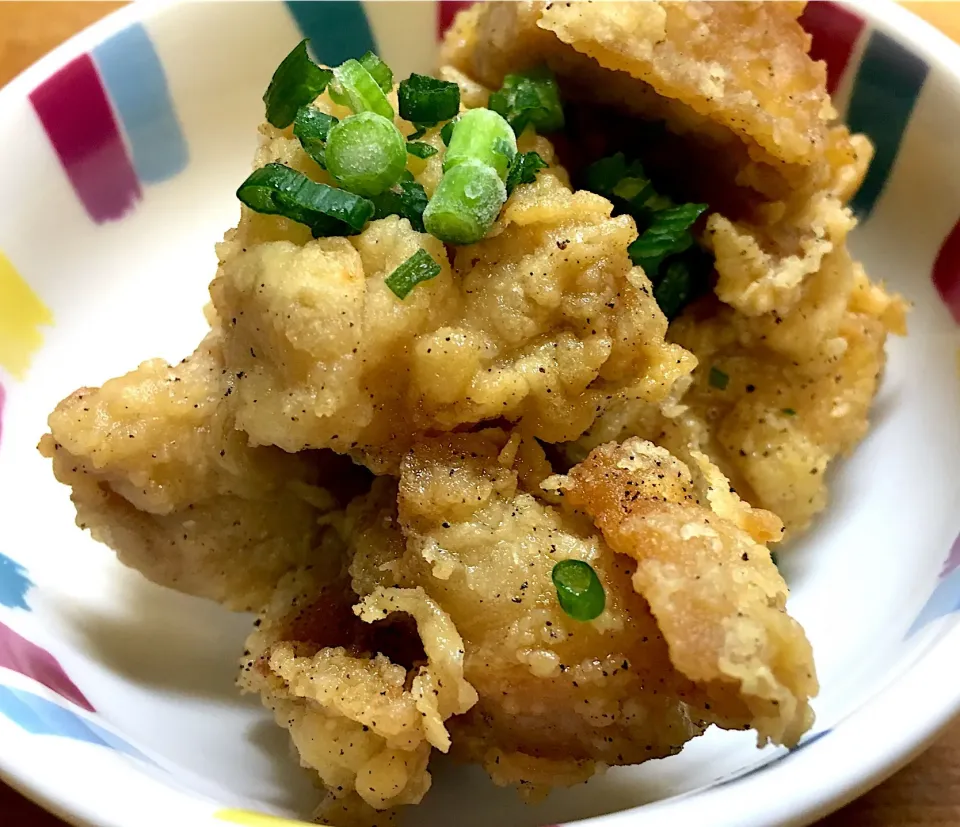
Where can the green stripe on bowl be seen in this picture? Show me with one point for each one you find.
(884, 94)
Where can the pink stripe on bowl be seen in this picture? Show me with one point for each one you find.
(79, 121)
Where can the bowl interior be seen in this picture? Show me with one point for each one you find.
(106, 249)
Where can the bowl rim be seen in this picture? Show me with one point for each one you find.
(830, 779)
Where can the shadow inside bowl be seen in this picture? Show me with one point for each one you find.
(162, 640)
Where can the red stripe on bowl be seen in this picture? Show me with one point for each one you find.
(79, 121)
(20, 655)
(946, 272)
(835, 32)
(446, 11)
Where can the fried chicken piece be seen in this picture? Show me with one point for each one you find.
(789, 394)
(159, 473)
(717, 597)
(364, 690)
(557, 696)
(542, 324)
(751, 121)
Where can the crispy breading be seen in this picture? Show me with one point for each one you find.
(543, 323)
(483, 548)
(458, 557)
(734, 84)
(797, 394)
(364, 698)
(717, 597)
(159, 473)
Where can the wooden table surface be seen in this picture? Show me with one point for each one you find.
(924, 794)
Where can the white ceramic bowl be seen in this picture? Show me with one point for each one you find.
(121, 153)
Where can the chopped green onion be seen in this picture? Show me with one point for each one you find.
(668, 234)
(378, 70)
(603, 176)
(789, 411)
(426, 101)
(358, 89)
(408, 200)
(530, 98)
(674, 289)
(684, 278)
(718, 379)
(279, 190)
(421, 266)
(420, 149)
(311, 127)
(579, 590)
(484, 136)
(627, 185)
(466, 203)
(418, 133)
(524, 169)
(446, 132)
(366, 153)
(297, 82)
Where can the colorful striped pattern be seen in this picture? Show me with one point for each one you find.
(946, 272)
(14, 583)
(887, 86)
(338, 29)
(77, 117)
(248, 818)
(945, 598)
(447, 11)
(835, 32)
(20, 655)
(100, 104)
(39, 716)
(136, 83)
(22, 315)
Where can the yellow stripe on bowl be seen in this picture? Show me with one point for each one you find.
(21, 316)
(248, 818)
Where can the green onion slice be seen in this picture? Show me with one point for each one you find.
(358, 89)
(484, 136)
(446, 132)
(279, 190)
(421, 149)
(668, 234)
(378, 70)
(579, 590)
(408, 200)
(366, 153)
(311, 127)
(418, 133)
(718, 379)
(418, 268)
(530, 98)
(465, 204)
(789, 411)
(297, 82)
(425, 101)
(524, 169)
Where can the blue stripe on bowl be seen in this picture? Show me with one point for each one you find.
(137, 87)
(884, 94)
(338, 29)
(14, 583)
(39, 716)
